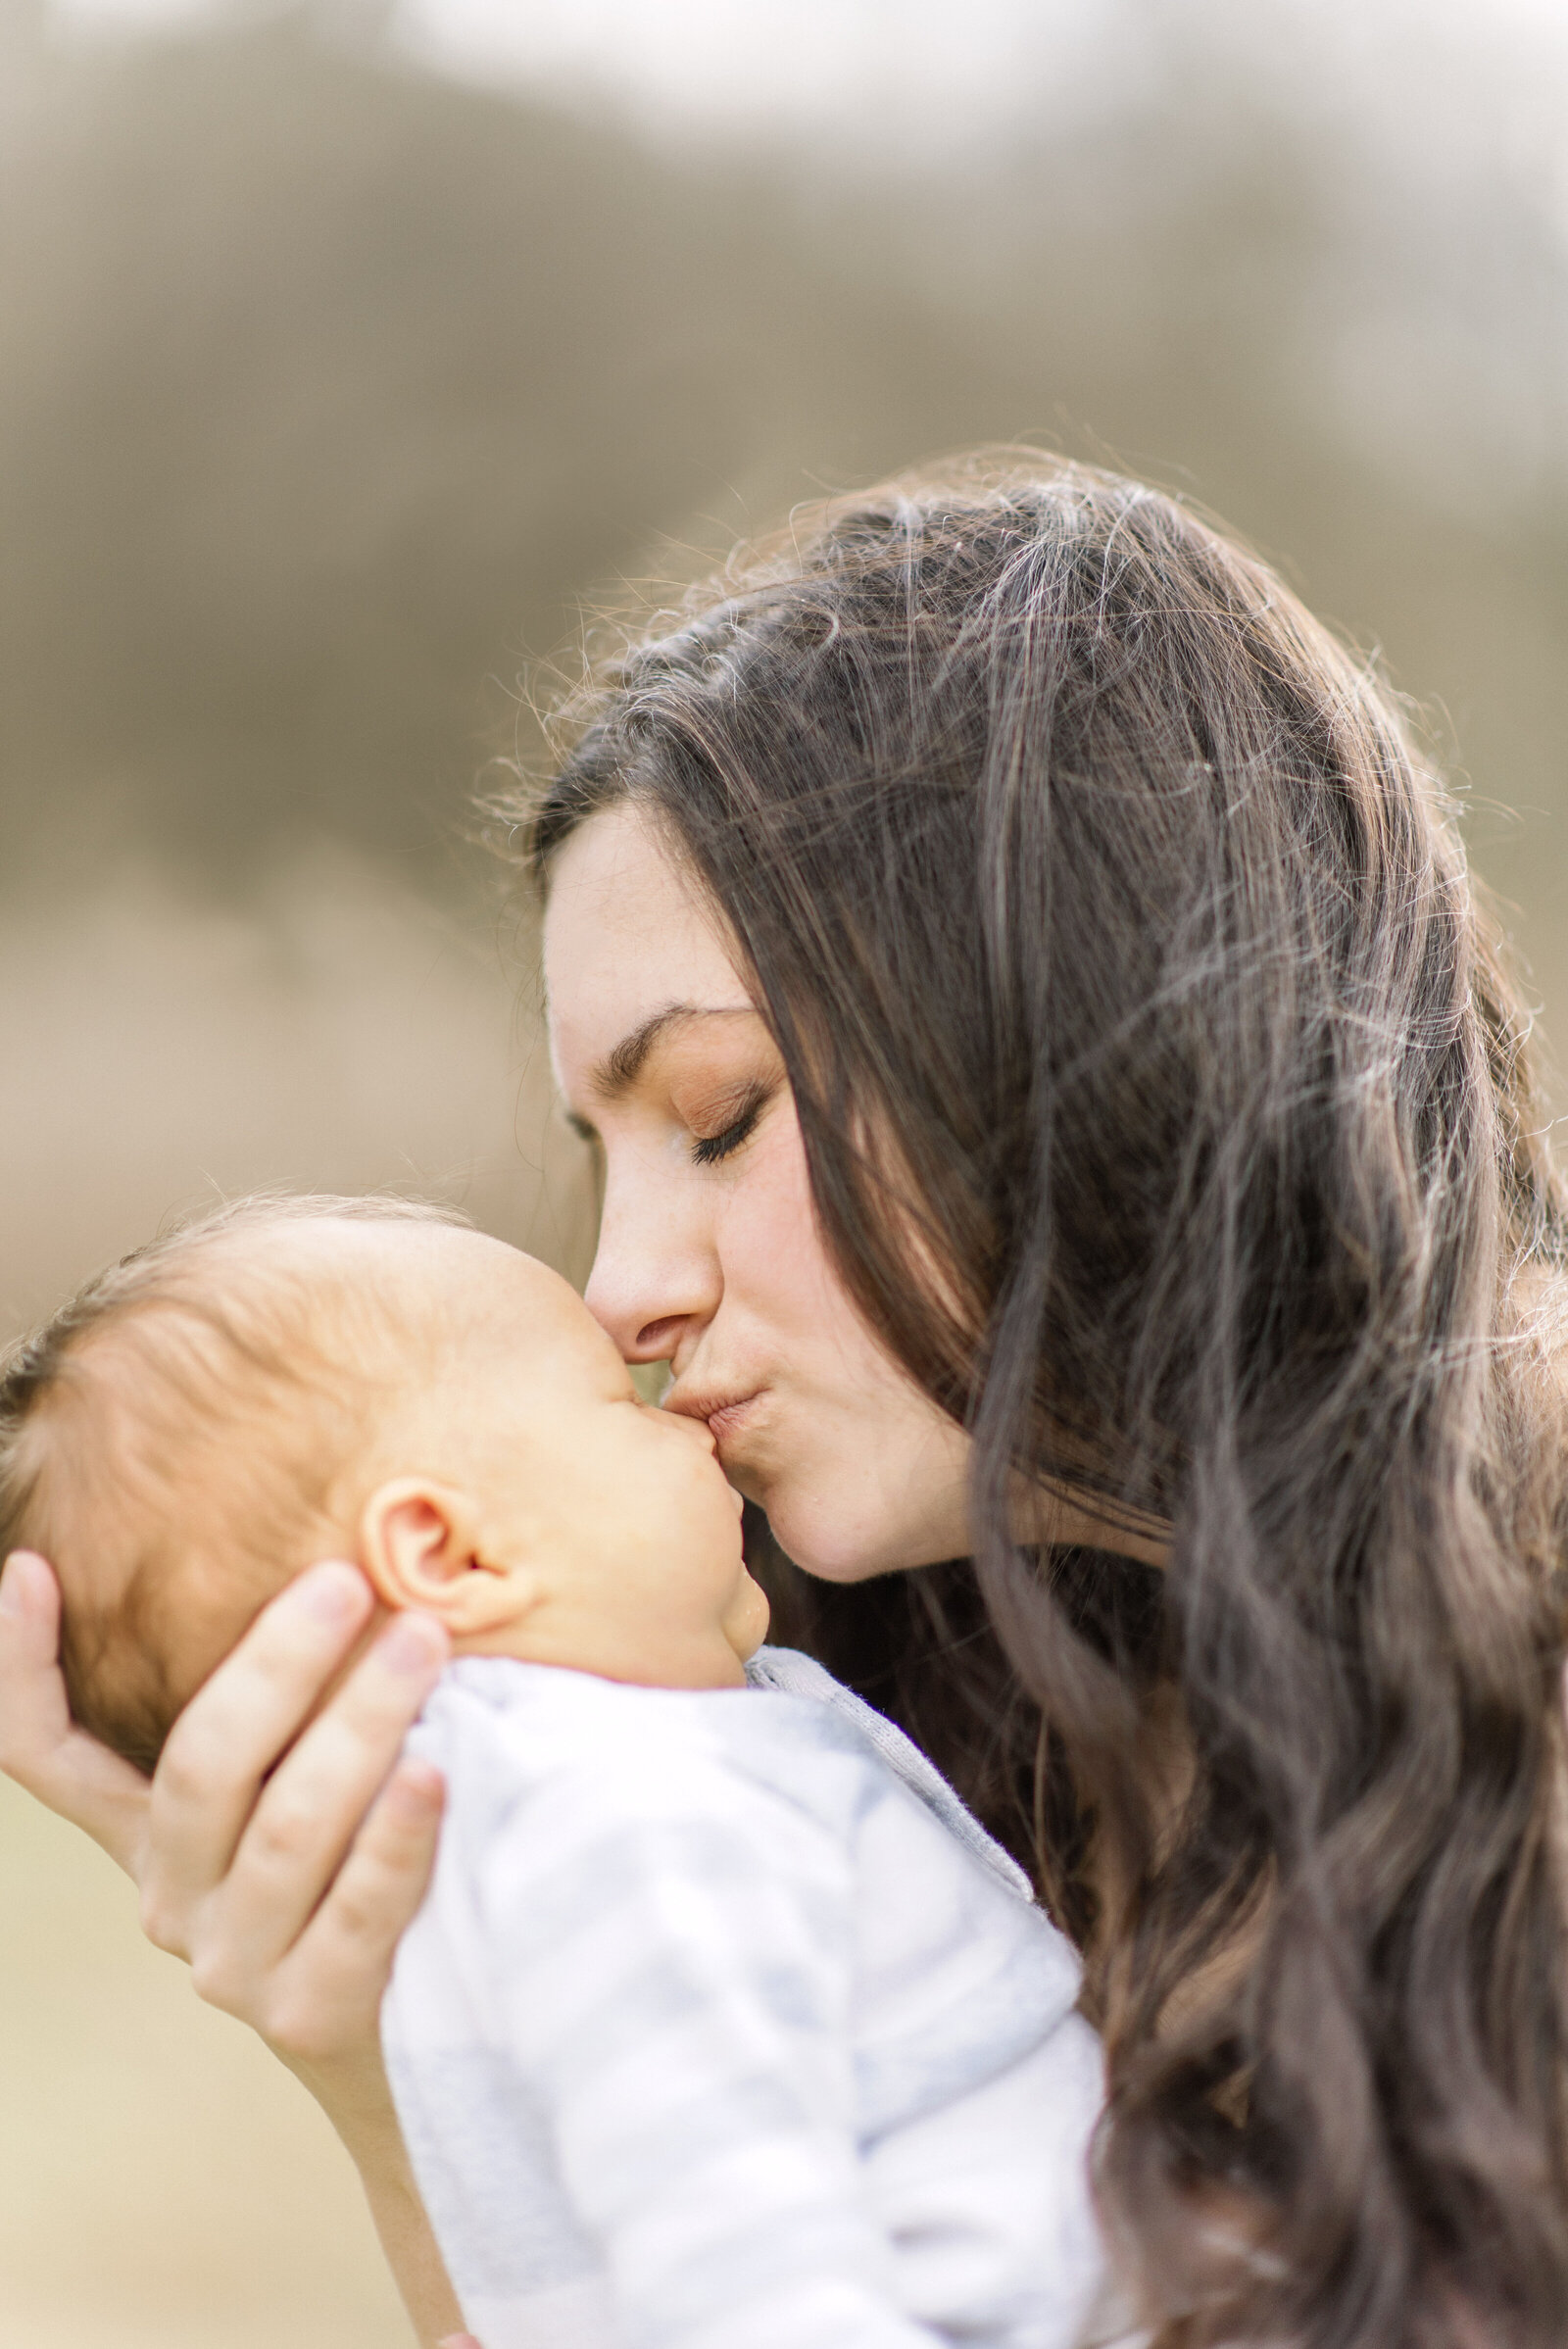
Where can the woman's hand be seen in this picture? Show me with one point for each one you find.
(40, 1746)
(281, 1855)
(286, 1881)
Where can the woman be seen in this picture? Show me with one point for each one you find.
(1060, 1114)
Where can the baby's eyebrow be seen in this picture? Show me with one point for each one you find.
(622, 1066)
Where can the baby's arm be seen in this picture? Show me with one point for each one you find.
(674, 1965)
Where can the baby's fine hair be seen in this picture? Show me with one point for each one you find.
(193, 1351)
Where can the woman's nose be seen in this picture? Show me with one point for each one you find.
(651, 1284)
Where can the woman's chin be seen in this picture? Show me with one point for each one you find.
(832, 1549)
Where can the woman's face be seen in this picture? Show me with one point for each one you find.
(710, 1256)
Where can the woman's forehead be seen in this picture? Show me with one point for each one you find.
(627, 932)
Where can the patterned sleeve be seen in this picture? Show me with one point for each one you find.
(674, 1970)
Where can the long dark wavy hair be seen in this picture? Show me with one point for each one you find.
(1121, 952)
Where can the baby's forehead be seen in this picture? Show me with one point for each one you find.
(437, 1267)
(423, 1284)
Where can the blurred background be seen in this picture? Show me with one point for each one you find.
(348, 352)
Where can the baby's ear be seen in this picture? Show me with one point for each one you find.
(418, 1540)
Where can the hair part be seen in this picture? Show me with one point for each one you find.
(149, 1433)
(1120, 948)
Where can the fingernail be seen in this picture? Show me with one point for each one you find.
(334, 1594)
(414, 1644)
(416, 1790)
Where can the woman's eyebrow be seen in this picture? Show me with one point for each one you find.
(622, 1066)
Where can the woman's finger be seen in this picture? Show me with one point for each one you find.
(40, 1746)
(343, 1959)
(308, 1814)
(230, 1735)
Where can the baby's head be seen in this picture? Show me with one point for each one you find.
(313, 1378)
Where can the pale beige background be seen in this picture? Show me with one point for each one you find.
(164, 2184)
(330, 1029)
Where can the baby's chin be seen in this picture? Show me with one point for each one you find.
(746, 1625)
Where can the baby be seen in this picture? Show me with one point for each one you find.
(723, 2026)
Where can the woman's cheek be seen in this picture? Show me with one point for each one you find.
(883, 1495)
(769, 1247)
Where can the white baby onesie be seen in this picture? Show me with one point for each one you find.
(724, 2025)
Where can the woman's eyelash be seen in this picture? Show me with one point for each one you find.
(708, 1149)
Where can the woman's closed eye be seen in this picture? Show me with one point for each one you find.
(708, 1149)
